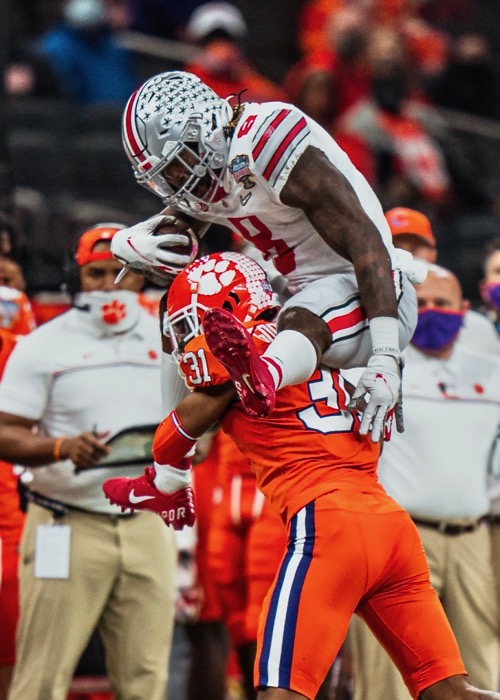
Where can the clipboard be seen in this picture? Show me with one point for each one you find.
(129, 447)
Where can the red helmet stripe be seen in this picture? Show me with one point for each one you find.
(130, 132)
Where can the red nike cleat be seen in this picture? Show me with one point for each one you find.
(176, 509)
(232, 345)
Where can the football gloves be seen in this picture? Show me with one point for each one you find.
(381, 381)
(142, 249)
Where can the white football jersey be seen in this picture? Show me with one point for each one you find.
(267, 143)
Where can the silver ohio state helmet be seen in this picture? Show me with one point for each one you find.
(174, 114)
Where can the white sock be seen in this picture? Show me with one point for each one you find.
(171, 479)
(291, 358)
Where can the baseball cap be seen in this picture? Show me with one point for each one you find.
(216, 15)
(85, 249)
(409, 221)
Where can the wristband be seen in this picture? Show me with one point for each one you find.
(384, 331)
(56, 453)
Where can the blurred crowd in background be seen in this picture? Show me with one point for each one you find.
(409, 88)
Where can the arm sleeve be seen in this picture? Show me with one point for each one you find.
(173, 387)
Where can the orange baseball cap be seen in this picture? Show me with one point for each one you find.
(409, 221)
(85, 249)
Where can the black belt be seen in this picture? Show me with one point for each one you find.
(59, 509)
(452, 529)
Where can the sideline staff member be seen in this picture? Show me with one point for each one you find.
(79, 380)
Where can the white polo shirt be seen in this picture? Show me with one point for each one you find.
(479, 335)
(70, 378)
(438, 468)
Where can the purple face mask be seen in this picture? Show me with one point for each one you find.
(491, 294)
(436, 328)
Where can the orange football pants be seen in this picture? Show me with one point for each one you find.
(204, 479)
(351, 552)
(247, 541)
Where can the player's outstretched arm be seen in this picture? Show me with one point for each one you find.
(165, 488)
(332, 206)
(194, 415)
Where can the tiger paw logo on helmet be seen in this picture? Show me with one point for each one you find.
(231, 281)
(212, 276)
(114, 312)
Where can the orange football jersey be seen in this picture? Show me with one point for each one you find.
(309, 445)
(230, 461)
(12, 518)
(16, 314)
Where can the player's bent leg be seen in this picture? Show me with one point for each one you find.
(335, 300)
(314, 328)
(456, 688)
(233, 346)
(402, 610)
(291, 358)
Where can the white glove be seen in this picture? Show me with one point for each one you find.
(140, 248)
(416, 270)
(381, 380)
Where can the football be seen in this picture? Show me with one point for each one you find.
(181, 226)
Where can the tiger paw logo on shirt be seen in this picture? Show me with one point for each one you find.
(114, 312)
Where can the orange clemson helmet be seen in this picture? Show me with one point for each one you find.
(231, 281)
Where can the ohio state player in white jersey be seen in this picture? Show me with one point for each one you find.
(267, 142)
(275, 176)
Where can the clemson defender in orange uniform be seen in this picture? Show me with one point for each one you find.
(351, 548)
(16, 319)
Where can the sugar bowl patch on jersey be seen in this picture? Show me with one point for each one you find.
(239, 168)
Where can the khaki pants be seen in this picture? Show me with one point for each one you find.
(462, 574)
(495, 557)
(122, 581)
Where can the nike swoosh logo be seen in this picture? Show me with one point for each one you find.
(246, 378)
(245, 199)
(138, 499)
